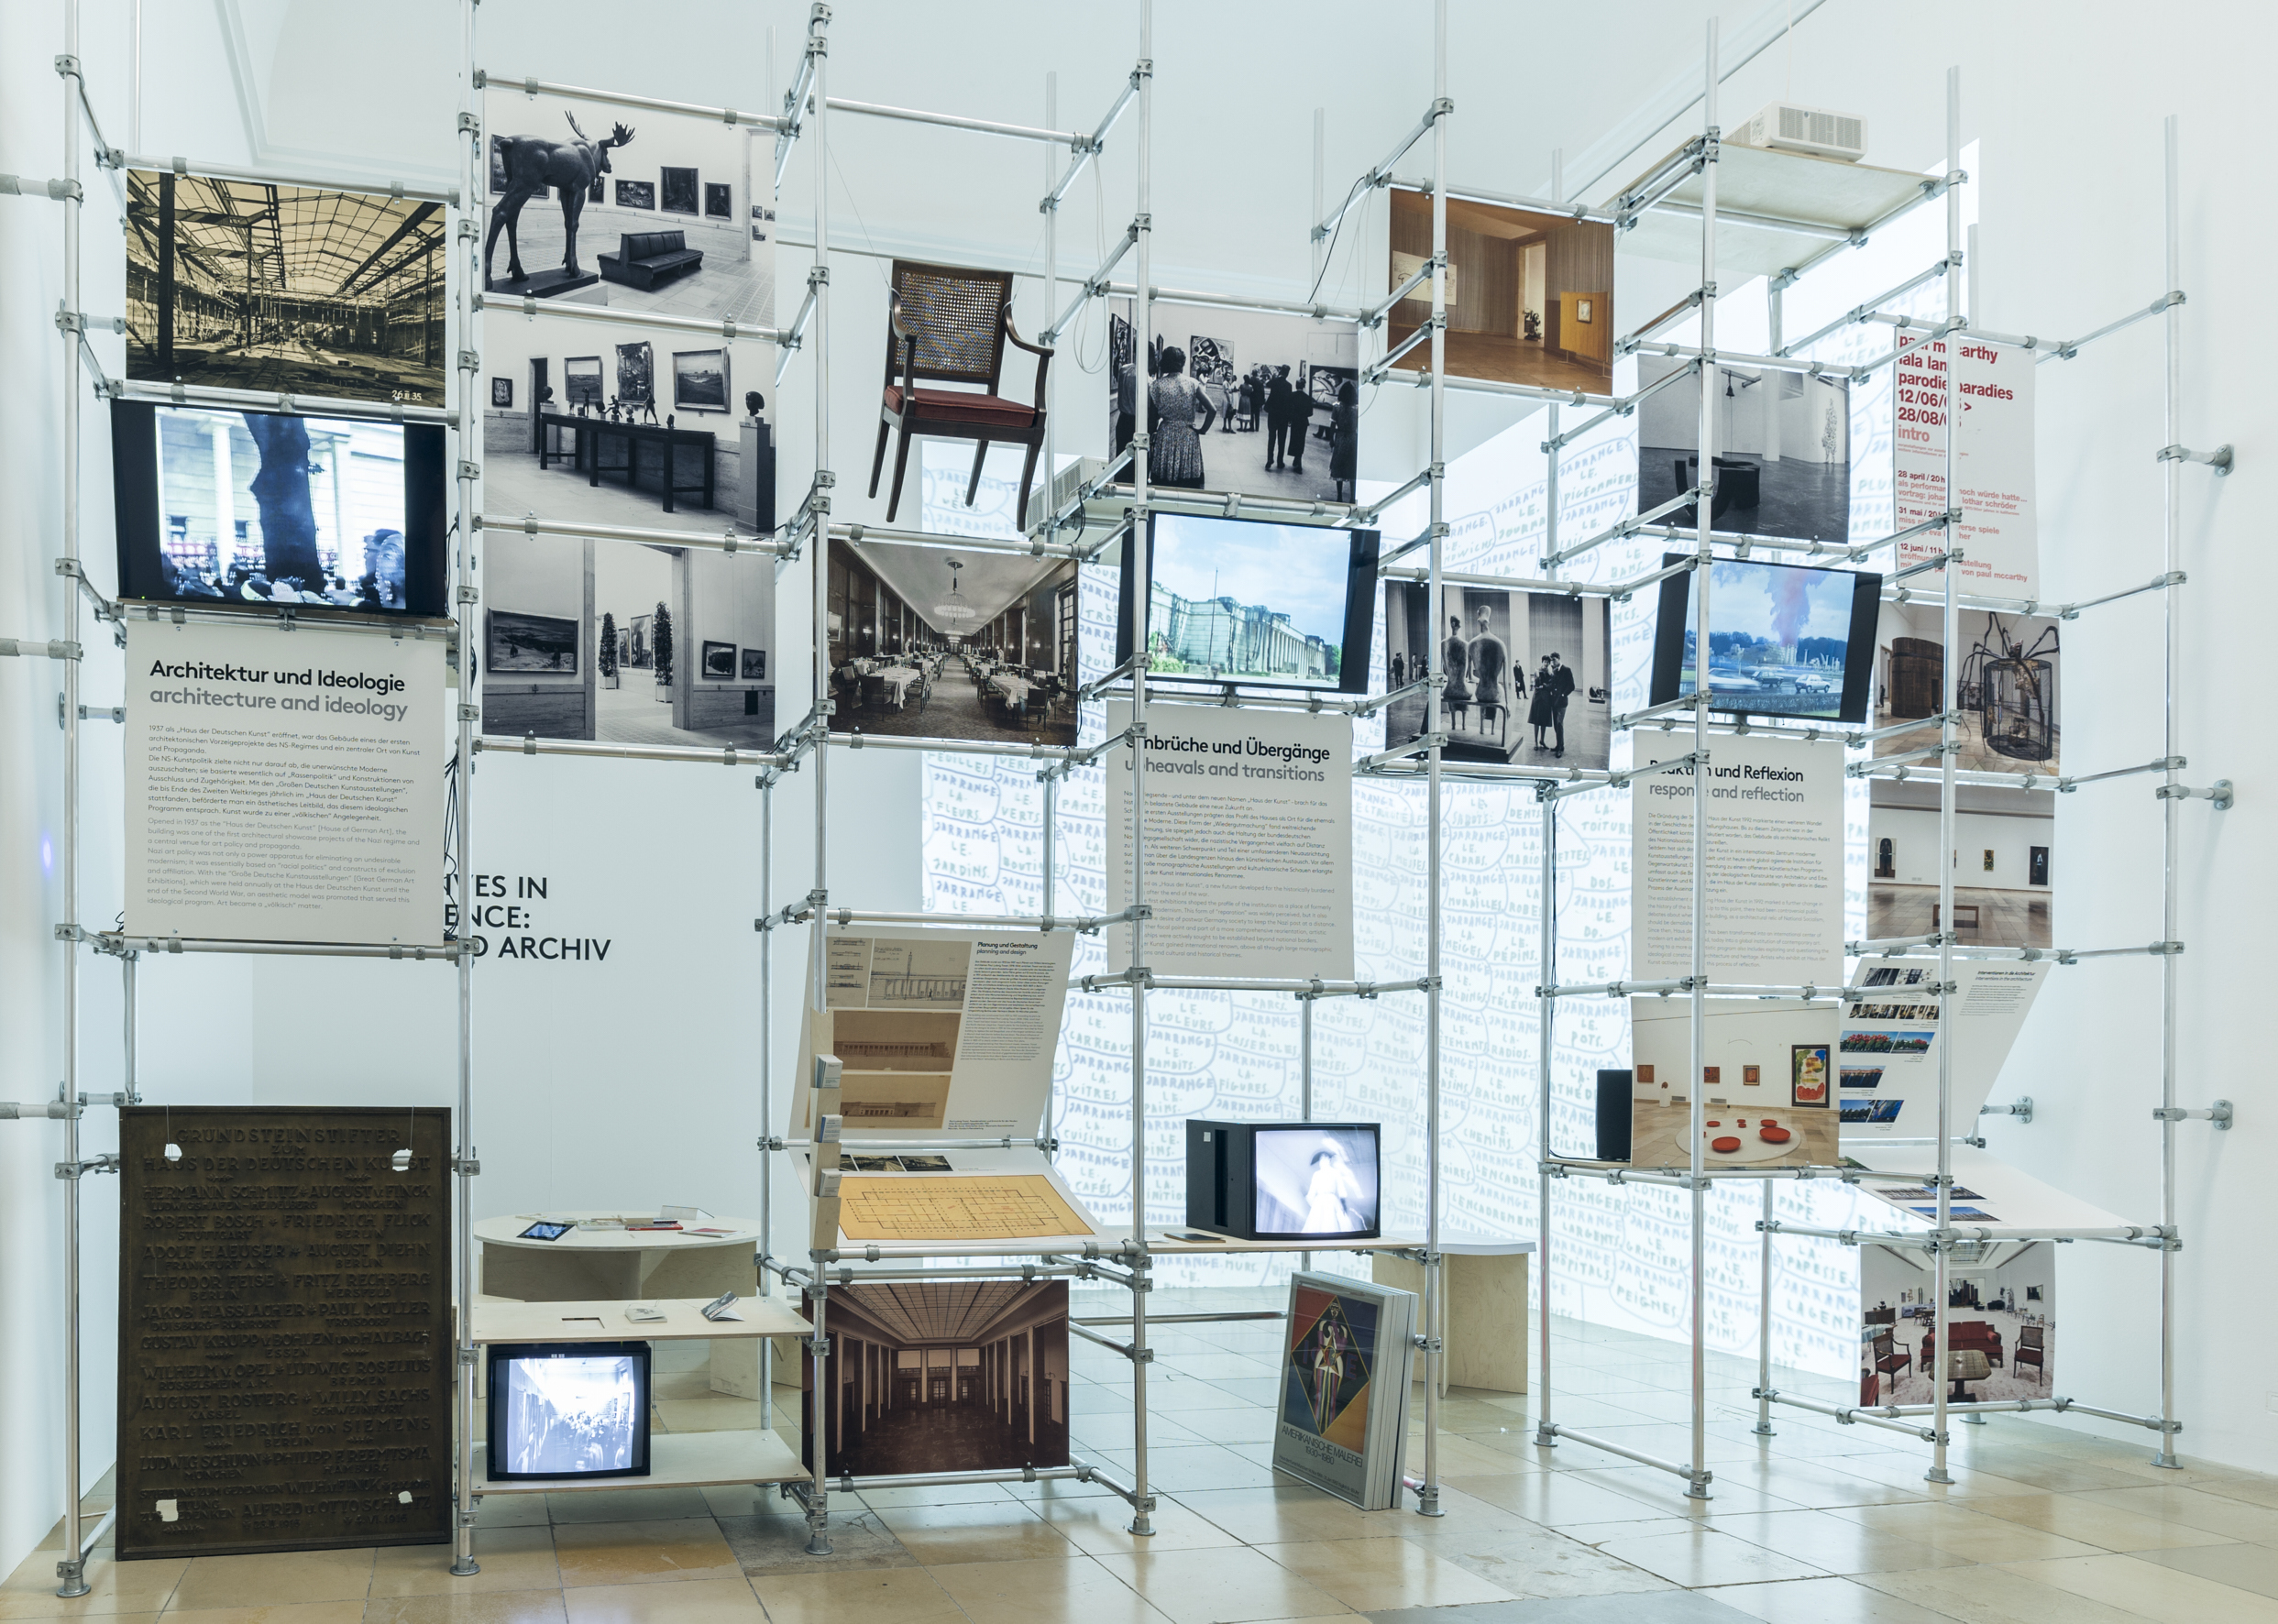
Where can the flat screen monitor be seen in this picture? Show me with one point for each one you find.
(1784, 639)
(1250, 602)
(570, 1410)
(262, 510)
(1284, 1181)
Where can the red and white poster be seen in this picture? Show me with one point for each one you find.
(2000, 541)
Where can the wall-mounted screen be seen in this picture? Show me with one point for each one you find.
(1784, 639)
(1250, 602)
(251, 510)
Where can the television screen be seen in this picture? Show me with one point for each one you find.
(1314, 1181)
(1242, 600)
(570, 1410)
(1784, 639)
(261, 509)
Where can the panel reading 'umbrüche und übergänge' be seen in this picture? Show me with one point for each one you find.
(284, 1369)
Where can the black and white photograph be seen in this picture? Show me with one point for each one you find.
(699, 380)
(503, 392)
(1783, 449)
(1240, 401)
(958, 1375)
(619, 247)
(266, 508)
(232, 284)
(569, 1411)
(2006, 686)
(2000, 1309)
(608, 429)
(627, 642)
(1529, 296)
(1527, 672)
(1316, 1181)
(935, 643)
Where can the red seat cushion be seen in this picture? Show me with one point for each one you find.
(980, 408)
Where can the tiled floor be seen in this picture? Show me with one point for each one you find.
(1818, 1524)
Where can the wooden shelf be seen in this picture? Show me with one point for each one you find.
(496, 1319)
(676, 1460)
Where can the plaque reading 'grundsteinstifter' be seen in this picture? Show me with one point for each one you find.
(284, 1367)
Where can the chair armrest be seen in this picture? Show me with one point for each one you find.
(1043, 358)
(902, 340)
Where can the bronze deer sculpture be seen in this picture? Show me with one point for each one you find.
(532, 165)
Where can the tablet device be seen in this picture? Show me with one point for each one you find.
(546, 1229)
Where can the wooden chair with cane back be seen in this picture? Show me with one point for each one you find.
(947, 326)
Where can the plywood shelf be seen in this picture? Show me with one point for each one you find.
(676, 1460)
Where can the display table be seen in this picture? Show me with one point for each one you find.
(592, 438)
(620, 1266)
(1482, 1309)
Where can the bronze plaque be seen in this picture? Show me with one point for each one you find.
(284, 1366)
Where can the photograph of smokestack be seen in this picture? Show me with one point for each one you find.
(1782, 463)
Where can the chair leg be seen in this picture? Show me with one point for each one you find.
(901, 461)
(878, 458)
(980, 456)
(1028, 475)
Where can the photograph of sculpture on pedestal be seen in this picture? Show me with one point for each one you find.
(1238, 401)
(235, 284)
(2006, 680)
(966, 1376)
(2000, 1309)
(1526, 672)
(1783, 449)
(617, 424)
(626, 642)
(1529, 295)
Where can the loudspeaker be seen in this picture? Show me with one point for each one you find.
(1613, 1091)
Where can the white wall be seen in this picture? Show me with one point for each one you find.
(2070, 239)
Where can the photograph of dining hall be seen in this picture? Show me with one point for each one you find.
(938, 642)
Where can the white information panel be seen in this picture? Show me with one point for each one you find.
(1994, 443)
(1775, 904)
(284, 785)
(1249, 842)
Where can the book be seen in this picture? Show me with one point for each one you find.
(1347, 1363)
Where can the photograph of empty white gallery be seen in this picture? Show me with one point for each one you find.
(962, 1377)
(2002, 842)
(1783, 449)
(949, 643)
(1529, 296)
(627, 644)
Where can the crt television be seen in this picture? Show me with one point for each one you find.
(1283, 1180)
(1250, 602)
(250, 510)
(570, 1410)
(1784, 639)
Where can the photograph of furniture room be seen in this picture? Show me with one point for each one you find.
(1999, 1306)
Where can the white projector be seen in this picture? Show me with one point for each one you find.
(1785, 127)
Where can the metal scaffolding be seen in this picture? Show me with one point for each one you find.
(806, 113)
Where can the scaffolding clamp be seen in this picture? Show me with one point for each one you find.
(2222, 459)
(2220, 1114)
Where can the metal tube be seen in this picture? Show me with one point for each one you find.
(726, 755)
(1294, 307)
(1859, 313)
(1142, 330)
(1697, 1484)
(1545, 971)
(1434, 1355)
(859, 534)
(1852, 1416)
(2170, 531)
(727, 541)
(1763, 1322)
(1676, 1467)
(1948, 703)
(545, 87)
(1077, 1471)
(819, 561)
(766, 1086)
(1621, 407)
(73, 1571)
(198, 394)
(415, 952)
(1094, 285)
(986, 126)
(270, 177)
(726, 331)
(1509, 200)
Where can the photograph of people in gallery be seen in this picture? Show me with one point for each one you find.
(265, 507)
(1998, 1308)
(1529, 297)
(941, 643)
(1782, 465)
(1262, 404)
(1525, 672)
